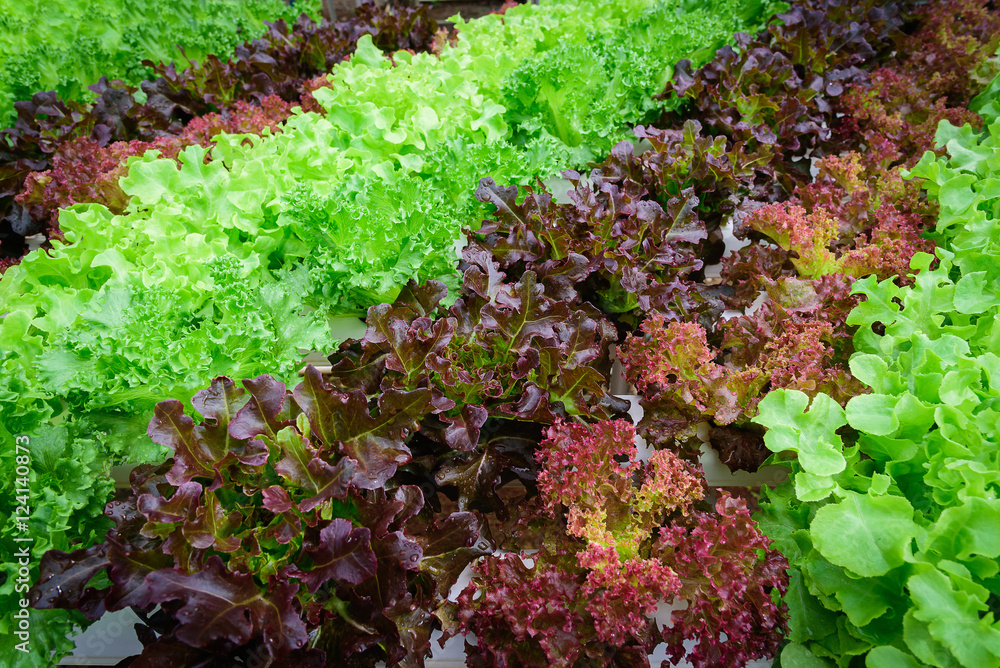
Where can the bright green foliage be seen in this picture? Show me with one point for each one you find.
(365, 197)
(65, 46)
(583, 94)
(376, 190)
(897, 555)
(812, 435)
(67, 494)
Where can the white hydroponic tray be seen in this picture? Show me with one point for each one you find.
(112, 639)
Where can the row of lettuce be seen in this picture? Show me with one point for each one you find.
(64, 151)
(473, 423)
(207, 270)
(890, 527)
(67, 46)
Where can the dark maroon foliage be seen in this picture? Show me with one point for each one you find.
(273, 522)
(505, 349)
(776, 93)
(612, 245)
(933, 75)
(800, 137)
(305, 512)
(284, 60)
(504, 360)
(730, 575)
(842, 83)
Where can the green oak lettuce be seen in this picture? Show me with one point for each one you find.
(890, 522)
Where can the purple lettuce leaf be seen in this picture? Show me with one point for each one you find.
(374, 443)
(221, 605)
(341, 552)
(64, 578)
(591, 248)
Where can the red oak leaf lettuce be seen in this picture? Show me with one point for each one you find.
(271, 525)
(588, 596)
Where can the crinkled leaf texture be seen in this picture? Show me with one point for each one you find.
(620, 537)
(207, 259)
(239, 92)
(265, 527)
(885, 522)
